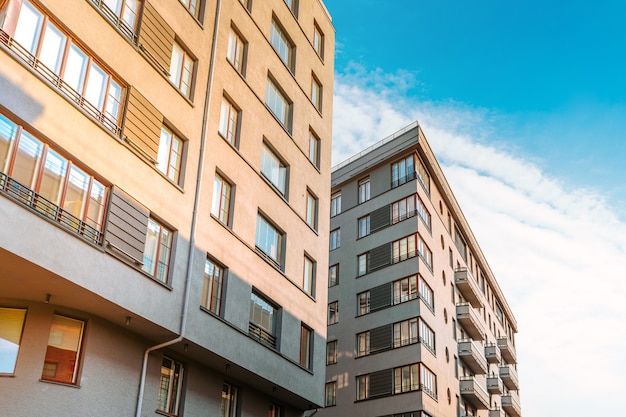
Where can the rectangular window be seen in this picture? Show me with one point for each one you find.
(335, 204)
(246, 4)
(220, 207)
(426, 293)
(308, 280)
(274, 411)
(428, 381)
(423, 213)
(274, 169)
(170, 155)
(157, 252)
(293, 6)
(404, 248)
(335, 239)
(331, 352)
(263, 317)
(330, 395)
(362, 387)
(269, 240)
(362, 264)
(63, 353)
(405, 289)
(405, 333)
(282, 44)
(427, 335)
(422, 174)
(364, 190)
(236, 52)
(170, 386)
(306, 344)
(363, 300)
(406, 378)
(498, 311)
(314, 149)
(181, 69)
(11, 326)
(333, 313)
(424, 251)
(229, 401)
(316, 93)
(403, 209)
(333, 275)
(213, 284)
(192, 5)
(403, 171)
(460, 244)
(229, 122)
(279, 104)
(311, 210)
(318, 40)
(364, 226)
(363, 343)
(125, 12)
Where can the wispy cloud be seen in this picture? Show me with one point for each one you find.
(556, 248)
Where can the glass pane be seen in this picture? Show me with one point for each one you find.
(54, 172)
(150, 251)
(164, 150)
(96, 86)
(164, 254)
(97, 200)
(28, 28)
(76, 192)
(113, 101)
(63, 348)
(129, 15)
(11, 324)
(27, 160)
(75, 67)
(175, 160)
(8, 131)
(52, 49)
(176, 65)
(185, 82)
(114, 5)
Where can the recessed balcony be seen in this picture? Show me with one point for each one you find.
(472, 355)
(507, 349)
(509, 377)
(468, 286)
(470, 320)
(492, 353)
(494, 384)
(510, 404)
(472, 392)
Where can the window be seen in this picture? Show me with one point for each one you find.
(11, 325)
(406, 378)
(403, 209)
(170, 386)
(422, 174)
(362, 264)
(314, 149)
(335, 204)
(306, 339)
(269, 240)
(425, 252)
(236, 52)
(426, 293)
(63, 353)
(498, 311)
(362, 387)
(125, 11)
(333, 275)
(229, 122)
(364, 226)
(363, 300)
(330, 395)
(263, 317)
(282, 44)
(403, 171)
(181, 70)
(428, 381)
(308, 279)
(222, 192)
(335, 239)
(311, 210)
(331, 352)
(316, 93)
(170, 155)
(460, 244)
(405, 333)
(423, 213)
(274, 411)
(293, 6)
(363, 343)
(405, 289)
(404, 248)
(158, 248)
(63, 59)
(427, 335)
(213, 284)
(193, 6)
(229, 401)
(279, 104)
(274, 169)
(246, 4)
(364, 190)
(318, 40)
(333, 313)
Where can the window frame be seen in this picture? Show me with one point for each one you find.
(333, 313)
(195, 11)
(276, 98)
(318, 40)
(364, 190)
(363, 303)
(76, 362)
(362, 387)
(282, 44)
(15, 317)
(362, 264)
(278, 259)
(257, 330)
(312, 204)
(309, 275)
(230, 397)
(306, 346)
(213, 287)
(230, 122)
(157, 261)
(317, 93)
(222, 202)
(173, 400)
(177, 72)
(330, 394)
(271, 161)
(363, 226)
(332, 283)
(237, 51)
(331, 352)
(335, 239)
(172, 172)
(314, 149)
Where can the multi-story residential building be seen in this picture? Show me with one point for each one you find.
(162, 168)
(417, 324)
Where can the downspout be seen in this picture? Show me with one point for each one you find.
(194, 218)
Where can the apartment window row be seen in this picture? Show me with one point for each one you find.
(408, 207)
(395, 381)
(394, 336)
(394, 293)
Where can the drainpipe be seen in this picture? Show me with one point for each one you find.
(194, 218)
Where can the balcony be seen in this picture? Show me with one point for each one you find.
(496, 412)
(509, 377)
(468, 286)
(470, 320)
(473, 393)
(492, 353)
(510, 404)
(472, 355)
(494, 384)
(507, 349)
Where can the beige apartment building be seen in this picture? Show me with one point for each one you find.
(417, 324)
(164, 167)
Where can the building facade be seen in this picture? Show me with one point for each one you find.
(162, 168)
(417, 324)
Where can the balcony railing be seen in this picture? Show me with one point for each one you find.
(494, 384)
(492, 353)
(509, 377)
(496, 412)
(468, 286)
(474, 393)
(47, 209)
(469, 319)
(472, 356)
(507, 349)
(510, 404)
(262, 335)
(123, 26)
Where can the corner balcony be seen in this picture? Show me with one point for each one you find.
(509, 377)
(470, 320)
(492, 353)
(507, 349)
(510, 404)
(472, 356)
(468, 286)
(494, 384)
(473, 393)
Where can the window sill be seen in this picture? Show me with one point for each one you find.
(64, 384)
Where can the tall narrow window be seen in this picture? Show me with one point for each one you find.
(170, 155)
(362, 387)
(404, 248)
(403, 171)
(311, 210)
(274, 169)
(11, 325)
(170, 386)
(363, 344)
(333, 275)
(282, 44)
(331, 352)
(279, 104)
(318, 40)
(405, 333)
(193, 6)
(335, 204)
(364, 190)
(362, 264)
(274, 410)
(181, 69)
(213, 284)
(335, 239)
(364, 226)
(403, 209)
(220, 207)
(63, 353)
(316, 93)
(308, 280)
(333, 312)
(229, 122)
(158, 248)
(229, 401)
(363, 300)
(263, 317)
(306, 344)
(314, 149)
(126, 11)
(425, 253)
(269, 240)
(405, 289)
(406, 378)
(330, 395)
(236, 51)
(293, 6)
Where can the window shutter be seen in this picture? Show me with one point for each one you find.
(380, 297)
(142, 125)
(380, 338)
(381, 383)
(156, 38)
(380, 256)
(379, 218)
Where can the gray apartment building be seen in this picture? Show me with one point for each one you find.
(417, 324)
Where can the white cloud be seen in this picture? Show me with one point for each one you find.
(556, 250)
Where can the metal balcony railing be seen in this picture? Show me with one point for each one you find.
(262, 335)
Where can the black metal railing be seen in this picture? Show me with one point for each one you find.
(403, 180)
(115, 20)
(263, 336)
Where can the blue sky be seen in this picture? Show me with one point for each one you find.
(525, 106)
